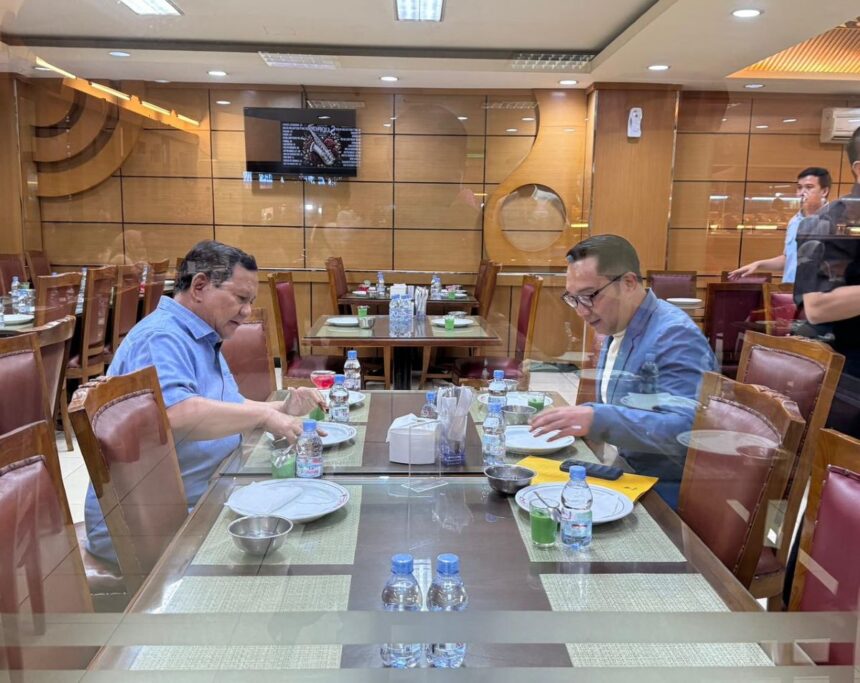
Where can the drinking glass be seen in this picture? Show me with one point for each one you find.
(543, 524)
(323, 379)
(362, 311)
(449, 322)
(537, 400)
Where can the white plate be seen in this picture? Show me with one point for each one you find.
(343, 321)
(299, 500)
(517, 398)
(683, 302)
(519, 440)
(461, 295)
(355, 397)
(17, 319)
(723, 441)
(458, 322)
(336, 433)
(608, 505)
(169, 283)
(651, 401)
(360, 292)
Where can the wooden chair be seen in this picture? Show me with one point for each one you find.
(779, 307)
(337, 283)
(126, 298)
(11, 265)
(56, 297)
(55, 340)
(152, 292)
(755, 279)
(37, 264)
(158, 270)
(249, 356)
(670, 284)
(485, 286)
(26, 398)
(178, 266)
(827, 577)
(587, 390)
(728, 306)
(125, 438)
(41, 572)
(807, 372)
(725, 495)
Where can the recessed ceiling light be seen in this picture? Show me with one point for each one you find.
(528, 118)
(746, 13)
(217, 72)
(789, 120)
(152, 7)
(419, 10)
(568, 81)
(223, 103)
(510, 130)
(724, 119)
(658, 67)
(754, 86)
(389, 79)
(119, 53)
(462, 118)
(161, 80)
(761, 126)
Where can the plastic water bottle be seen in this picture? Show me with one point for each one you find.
(435, 286)
(82, 290)
(429, 408)
(576, 510)
(309, 459)
(485, 373)
(493, 440)
(498, 389)
(352, 371)
(401, 594)
(648, 375)
(380, 284)
(13, 293)
(447, 594)
(338, 399)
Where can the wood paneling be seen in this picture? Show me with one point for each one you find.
(372, 110)
(348, 205)
(168, 200)
(166, 241)
(272, 247)
(703, 204)
(377, 158)
(504, 154)
(707, 252)
(228, 154)
(705, 156)
(437, 250)
(231, 116)
(845, 175)
(359, 247)
(438, 114)
(168, 153)
(74, 140)
(53, 102)
(439, 158)
(83, 243)
(102, 204)
(240, 203)
(524, 120)
(192, 102)
(11, 187)
(425, 205)
(714, 112)
(770, 203)
(790, 114)
(761, 244)
(781, 157)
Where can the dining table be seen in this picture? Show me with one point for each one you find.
(442, 304)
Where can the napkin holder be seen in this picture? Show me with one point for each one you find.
(398, 289)
(412, 440)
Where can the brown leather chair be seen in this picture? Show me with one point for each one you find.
(152, 292)
(779, 307)
(56, 296)
(54, 340)
(25, 398)
(158, 270)
(11, 265)
(725, 495)
(807, 372)
(728, 306)
(671, 284)
(126, 297)
(337, 283)
(755, 279)
(827, 577)
(249, 356)
(37, 264)
(125, 437)
(40, 566)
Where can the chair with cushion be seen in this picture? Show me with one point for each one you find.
(25, 398)
(474, 367)
(780, 311)
(726, 487)
(729, 309)
(56, 296)
(125, 438)
(807, 372)
(11, 265)
(38, 264)
(249, 356)
(40, 565)
(54, 340)
(126, 297)
(827, 577)
(88, 349)
(755, 279)
(337, 284)
(672, 284)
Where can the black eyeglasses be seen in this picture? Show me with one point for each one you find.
(587, 300)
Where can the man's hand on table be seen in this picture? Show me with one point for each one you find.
(568, 420)
(301, 401)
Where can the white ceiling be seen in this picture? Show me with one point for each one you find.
(699, 38)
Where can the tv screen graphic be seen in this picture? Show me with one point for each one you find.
(302, 142)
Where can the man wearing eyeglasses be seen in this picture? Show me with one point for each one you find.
(604, 286)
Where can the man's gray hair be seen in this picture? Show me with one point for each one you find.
(215, 260)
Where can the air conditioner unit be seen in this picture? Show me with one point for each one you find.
(838, 124)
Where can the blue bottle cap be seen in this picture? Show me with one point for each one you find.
(401, 563)
(338, 379)
(352, 354)
(498, 374)
(448, 564)
(431, 397)
(309, 425)
(577, 472)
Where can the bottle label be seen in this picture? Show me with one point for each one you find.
(576, 528)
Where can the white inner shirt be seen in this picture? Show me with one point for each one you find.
(611, 355)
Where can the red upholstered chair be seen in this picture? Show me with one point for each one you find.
(54, 340)
(807, 372)
(827, 577)
(125, 438)
(40, 565)
(56, 296)
(755, 279)
(473, 368)
(779, 307)
(671, 284)
(725, 494)
(728, 307)
(249, 357)
(11, 265)
(126, 297)
(337, 285)
(25, 398)
(37, 264)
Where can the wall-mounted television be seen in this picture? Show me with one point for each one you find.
(301, 142)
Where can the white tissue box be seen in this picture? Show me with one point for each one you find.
(412, 439)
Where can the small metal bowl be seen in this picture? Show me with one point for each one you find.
(509, 479)
(257, 534)
(518, 415)
(366, 322)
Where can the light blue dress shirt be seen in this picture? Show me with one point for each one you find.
(186, 354)
(790, 250)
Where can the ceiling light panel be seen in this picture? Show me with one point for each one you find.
(150, 7)
(419, 10)
(335, 104)
(551, 61)
(289, 60)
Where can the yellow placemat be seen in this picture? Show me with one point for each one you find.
(634, 486)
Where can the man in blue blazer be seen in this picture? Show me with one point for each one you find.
(651, 347)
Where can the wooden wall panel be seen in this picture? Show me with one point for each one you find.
(166, 241)
(373, 111)
(846, 177)
(272, 247)
(168, 200)
(240, 203)
(790, 114)
(11, 187)
(426, 205)
(702, 204)
(101, 204)
(439, 158)
(761, 244)
(704, 156)
(228, 154)
(770, 203)
(73, 140)
(439, 114)
(437, 250)
(348, 205)
(52, 101)
(499, 121)
(231, 116)
(780, 157)
(499, 318)
(192, 102)
(377, 158)
(82, 243)
(169, 153)
(359, 247)
(504, 154)
(707, 252)
(714, 112)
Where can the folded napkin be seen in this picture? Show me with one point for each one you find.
(412, 439)
(634, 486)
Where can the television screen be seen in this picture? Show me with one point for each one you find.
(304, 142)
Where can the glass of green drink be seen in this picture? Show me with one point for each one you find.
(536, 400)
(543, 524)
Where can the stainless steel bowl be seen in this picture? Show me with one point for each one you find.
(518, 415)
(257, 534)
(509, 479)
(366, 322)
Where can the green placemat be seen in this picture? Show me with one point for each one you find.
(668, 655)
(473, 331)
(237, 657)
(349, 454)
(332, 331)
(329, 540)
(636, 538)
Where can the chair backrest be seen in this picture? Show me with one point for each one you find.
(37, 264)
(11, 265)
(479, 278)
(756, 279)
(249, 356)
(336, 281)
(54, 340)
(25, 398)
(779, 307)
(158, 269)
(727, 306)
(807, 372)
(125, 438)
(726, 489)
(56, 296)
(592, 343)
(669, 284)
(126, 297)
(529, 297)
(488, 288)
(827, 578)
(286, 317)
(177, 265)
(152, 292)
(94, 322)
(41, 572)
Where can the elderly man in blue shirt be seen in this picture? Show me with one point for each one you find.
(604, 286)
(215, 289)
